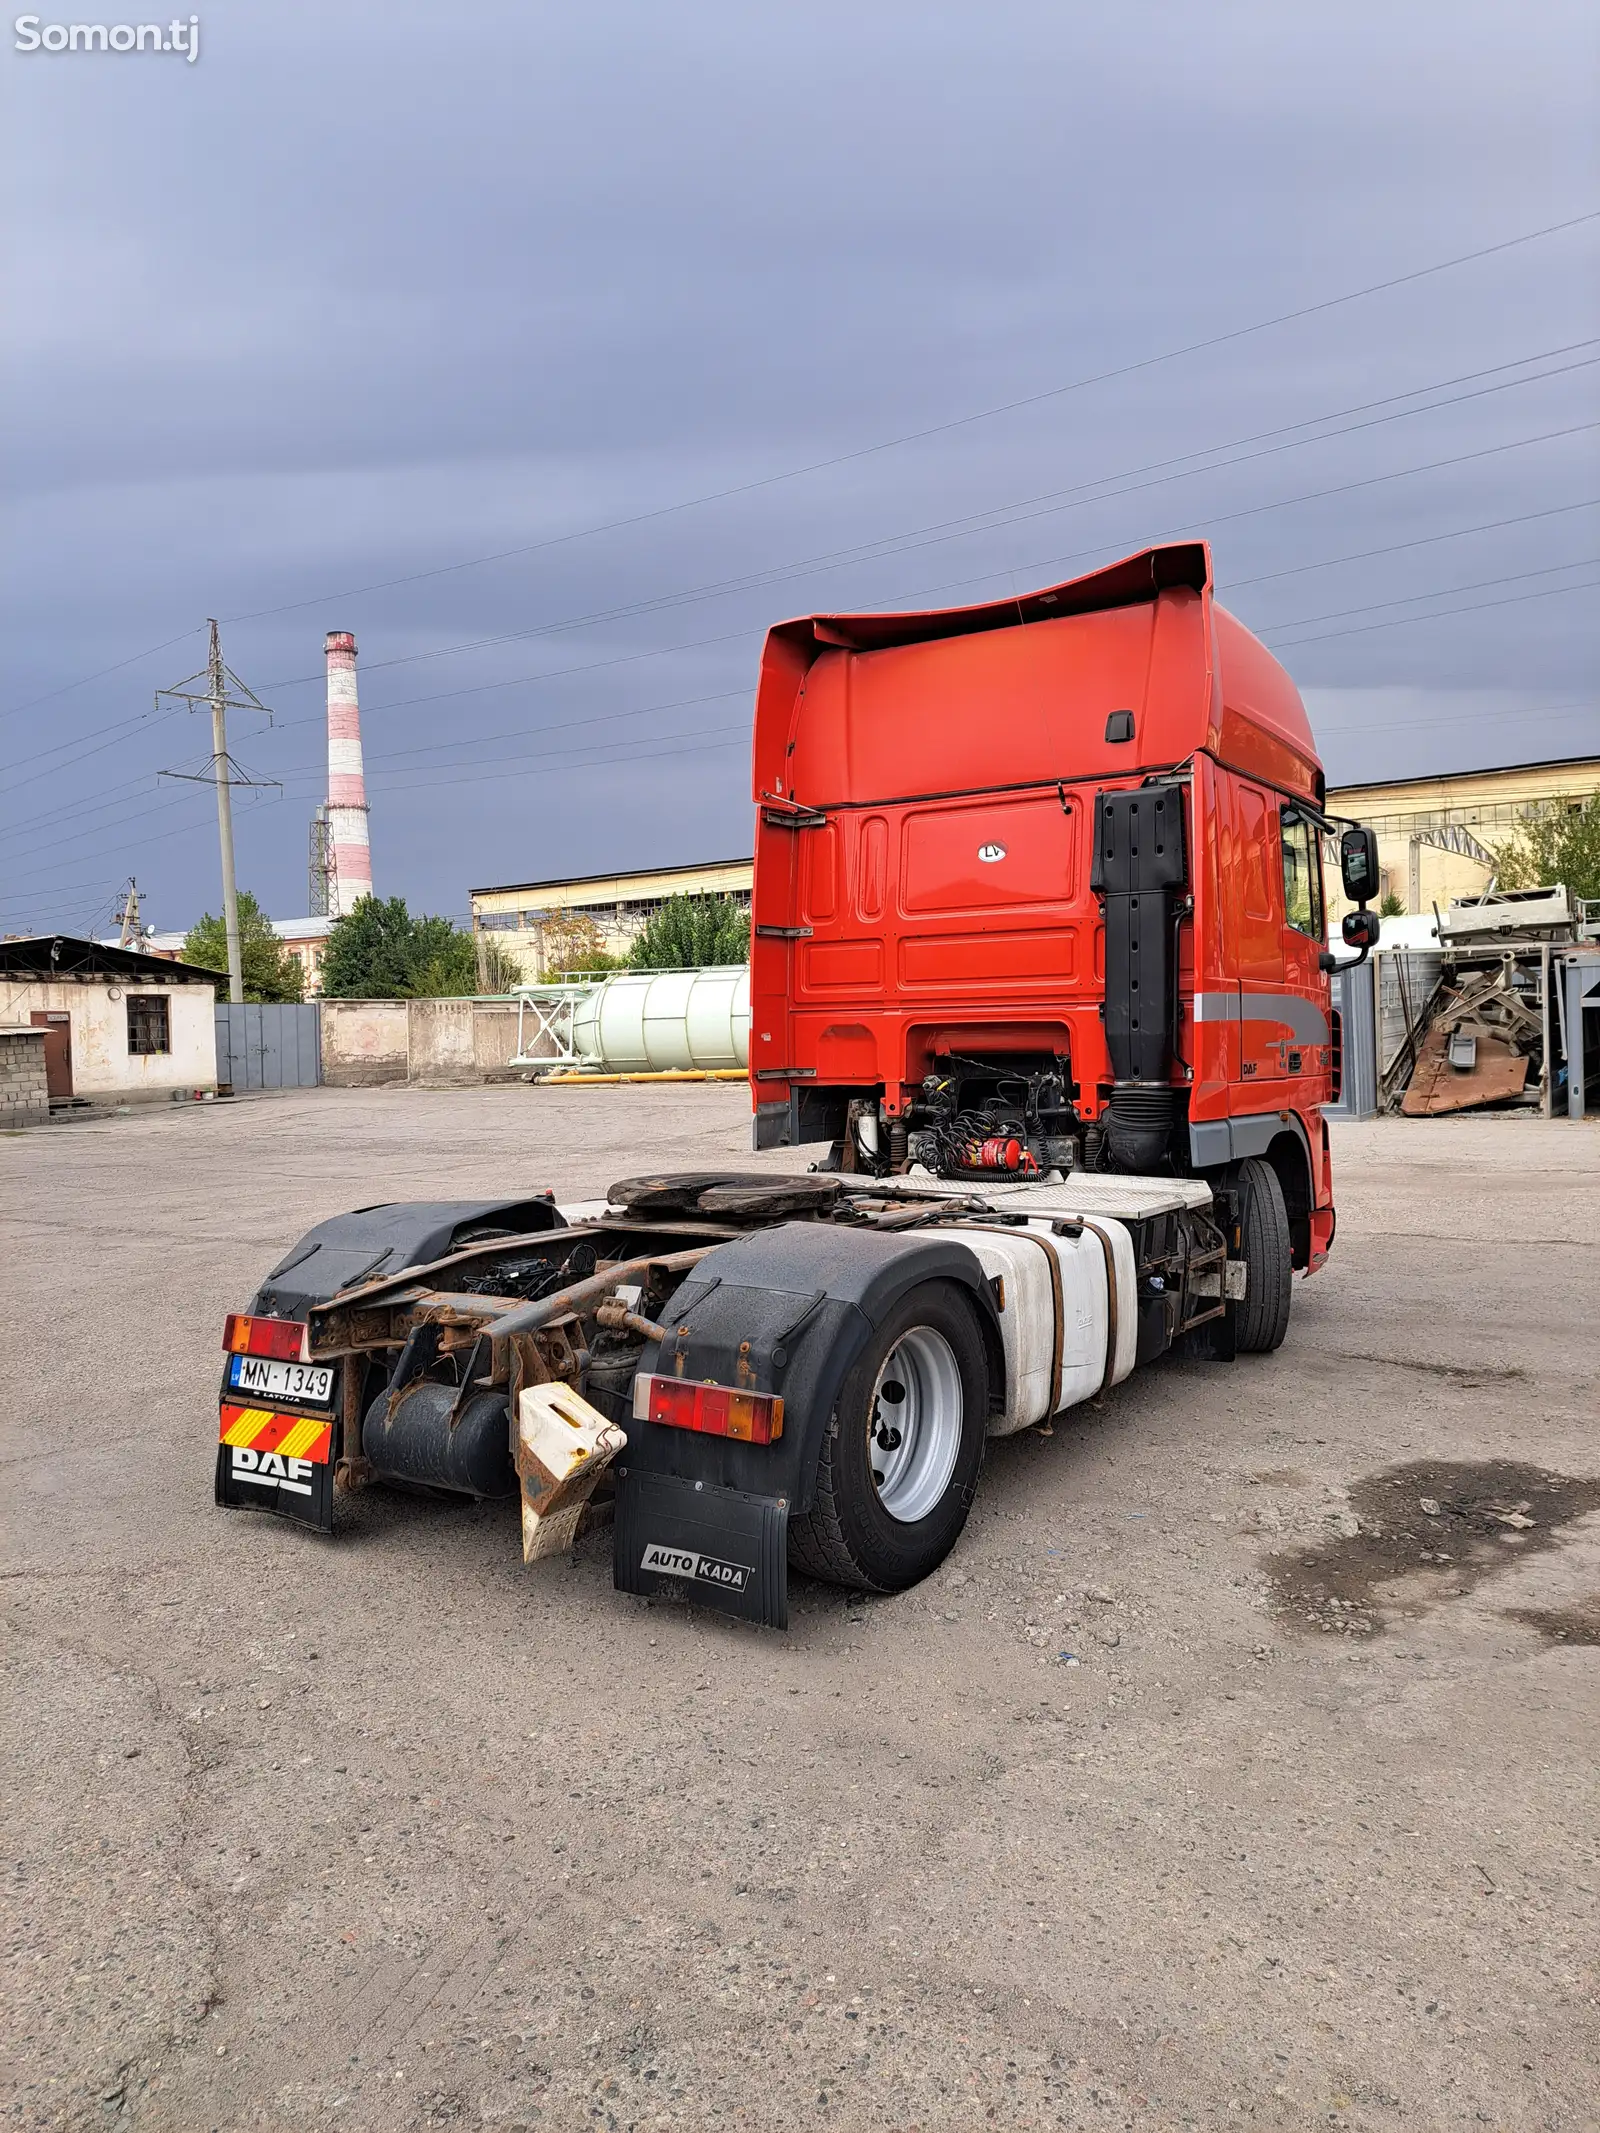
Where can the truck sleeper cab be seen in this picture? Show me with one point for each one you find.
(1038, 887)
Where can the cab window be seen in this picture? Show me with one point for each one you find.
(1302, 875)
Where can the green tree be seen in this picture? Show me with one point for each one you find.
(1390, 905)
(1561, 843)
(379, 951)
(270, 971)
(689, 932)
(451, 972)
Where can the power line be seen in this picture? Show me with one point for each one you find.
(948, 585)
(146, 720)
(497, 762)
(987, 521)
(940, 429)
(82, 811)
(1423, 540)
(1201, 528)
(84, 680)
(925, 591)
(1550, 592)
(1081, 384)
(1444, 592)
(998, 516)
(739, 737)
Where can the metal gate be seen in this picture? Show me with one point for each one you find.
(261, 1045)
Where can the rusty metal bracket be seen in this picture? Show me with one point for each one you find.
(620, 1318)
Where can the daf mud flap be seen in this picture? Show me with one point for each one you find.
(711, 1547)
(251, 1479)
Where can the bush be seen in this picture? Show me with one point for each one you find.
(690, 932)
(270, 971)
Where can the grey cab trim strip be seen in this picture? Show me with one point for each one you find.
(1302, 1018)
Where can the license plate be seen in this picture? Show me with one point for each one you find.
(282, 1381)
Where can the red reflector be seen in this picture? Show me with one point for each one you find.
(714, 1410)
(284, 1339)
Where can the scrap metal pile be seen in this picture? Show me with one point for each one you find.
(1483, 1038)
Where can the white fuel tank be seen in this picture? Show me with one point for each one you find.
(643, 1022)
(1066, 1334)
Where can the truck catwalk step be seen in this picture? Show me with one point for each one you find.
(1094, 1193)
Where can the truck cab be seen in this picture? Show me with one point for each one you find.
(1038, 887)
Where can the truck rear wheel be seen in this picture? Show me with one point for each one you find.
(901, 1452)
(1262, 1318)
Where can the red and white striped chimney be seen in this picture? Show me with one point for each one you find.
(349, 846)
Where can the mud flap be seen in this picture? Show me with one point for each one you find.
(688, 1540)
(251, 1480)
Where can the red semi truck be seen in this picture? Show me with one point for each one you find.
(1038, 964)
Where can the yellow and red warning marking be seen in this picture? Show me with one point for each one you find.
(263, 1429)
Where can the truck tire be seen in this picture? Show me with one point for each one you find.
(1262, 1318)
(902, 1449)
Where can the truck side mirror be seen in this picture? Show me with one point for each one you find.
(1360, 928)
(1358, 864)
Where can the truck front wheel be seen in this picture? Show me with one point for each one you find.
(902, 1449)
(1262, 1318)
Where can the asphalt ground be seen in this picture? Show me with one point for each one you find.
(1199, 1788)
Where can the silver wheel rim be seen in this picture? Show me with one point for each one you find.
(914, 1424)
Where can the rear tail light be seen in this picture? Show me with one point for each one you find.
(284, 1339)
(714, 1410)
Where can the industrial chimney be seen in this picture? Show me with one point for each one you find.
(349, 847)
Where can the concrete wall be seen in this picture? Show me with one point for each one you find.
(439, 1042)
(102, 1065)
(23, 1101)
(364, 1042)
(429, 1043)
(494, 1041)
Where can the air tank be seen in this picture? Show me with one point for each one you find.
(686, 1020)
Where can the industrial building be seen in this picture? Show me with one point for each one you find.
(526, 917)
(1438, 837)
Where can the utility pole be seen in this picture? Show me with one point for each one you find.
(224, 773)
(128, 916)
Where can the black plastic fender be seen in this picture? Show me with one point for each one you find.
(382, 1240)
(788, 1310)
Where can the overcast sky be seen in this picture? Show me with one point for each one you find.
(375, 289)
